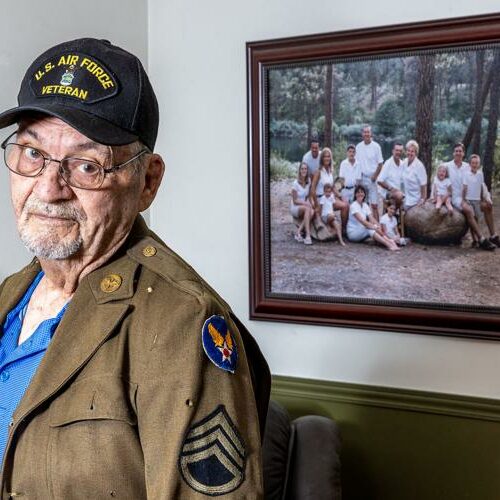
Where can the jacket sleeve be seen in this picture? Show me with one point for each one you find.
(198, 422)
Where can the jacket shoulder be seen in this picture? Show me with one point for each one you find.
(28, 271)
(161, 260)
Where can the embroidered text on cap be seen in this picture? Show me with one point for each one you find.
(76, 76)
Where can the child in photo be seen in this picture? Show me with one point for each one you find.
(389, 225)
(327, 201)
(473, 192)
(350, 172)
(441, 189)
(473, 180)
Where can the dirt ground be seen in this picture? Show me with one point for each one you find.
(418, 273)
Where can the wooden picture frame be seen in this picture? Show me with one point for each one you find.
(401, 313)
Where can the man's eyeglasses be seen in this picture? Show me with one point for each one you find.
(76, 172)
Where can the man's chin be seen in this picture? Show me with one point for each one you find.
(50, 248)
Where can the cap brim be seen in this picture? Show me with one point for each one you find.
(93, 127)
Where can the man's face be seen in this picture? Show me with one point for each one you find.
(397, 152)
(56, 221)
(474, 164)
(458, 154)
(314, 149)
(367, 135)
(351, 153)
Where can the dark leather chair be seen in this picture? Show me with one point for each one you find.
(301, 457)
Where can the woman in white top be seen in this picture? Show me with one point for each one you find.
(325, 175)
(300, 207)
(414, 177)
(362, 224)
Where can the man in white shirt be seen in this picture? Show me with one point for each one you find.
(350, 171)
(369, 156)
(311, 158)
(457, 168)
(476, 195)
(390, 178)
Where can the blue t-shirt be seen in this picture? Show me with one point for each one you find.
(18, 363)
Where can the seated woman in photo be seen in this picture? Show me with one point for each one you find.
(414, 177)
(325, 175)
(362, 225)
(300, 207)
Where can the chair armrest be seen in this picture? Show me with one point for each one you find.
(315, 461)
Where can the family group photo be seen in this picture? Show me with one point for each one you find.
(384, 179)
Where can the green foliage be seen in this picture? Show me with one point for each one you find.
(459, 104)
(351, 133)
(496, 161)
(388, 117)
(280, 168)
(288, 128)
(319, 125)
(296, 93)
(440, 153)
(407, 131)
(339, 152)
(449, 131)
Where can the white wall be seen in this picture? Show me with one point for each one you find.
(29, 28)
(197, 63)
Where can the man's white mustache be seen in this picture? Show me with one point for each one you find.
(63, 209)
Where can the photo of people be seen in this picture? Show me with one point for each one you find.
(384, 181)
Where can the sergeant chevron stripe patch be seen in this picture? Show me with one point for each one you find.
(213, 457)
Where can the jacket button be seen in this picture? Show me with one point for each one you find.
(149, 251)
(4, 376)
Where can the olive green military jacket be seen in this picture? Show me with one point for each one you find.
(126, 403)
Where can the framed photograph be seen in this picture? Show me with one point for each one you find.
(411, 114)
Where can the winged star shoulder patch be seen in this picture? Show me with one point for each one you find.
(213, 457)
(219, 344)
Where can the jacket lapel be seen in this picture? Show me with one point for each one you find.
(89, 320)
(14, 288)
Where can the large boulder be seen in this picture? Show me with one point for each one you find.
(319, 230)
(424, 224)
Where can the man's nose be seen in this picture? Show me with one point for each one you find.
(50, 186)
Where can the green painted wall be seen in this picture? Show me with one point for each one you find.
(405, 445)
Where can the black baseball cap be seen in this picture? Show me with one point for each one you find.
(95, 87)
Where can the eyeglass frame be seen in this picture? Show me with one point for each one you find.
(48, 159)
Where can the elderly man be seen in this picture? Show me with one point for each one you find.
(369, 156)
(122, 373)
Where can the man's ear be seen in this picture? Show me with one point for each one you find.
(152, 178)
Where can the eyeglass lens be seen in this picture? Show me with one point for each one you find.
(30, 162)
